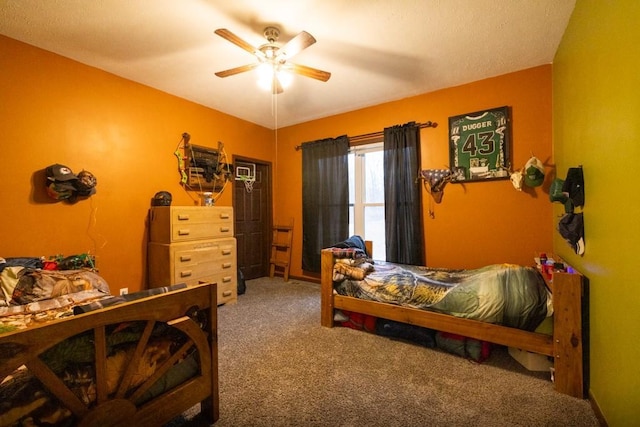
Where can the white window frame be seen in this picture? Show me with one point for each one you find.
(359, 203)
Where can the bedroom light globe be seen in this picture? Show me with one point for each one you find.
(265, 76)
(286, 78)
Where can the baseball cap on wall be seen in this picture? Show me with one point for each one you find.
(61, 191)
(161, 198)
(533, 172)
(58, 172)
(556, 194)
(571, 228)
(574, 186)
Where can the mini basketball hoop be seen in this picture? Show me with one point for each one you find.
(246, 174)
(248, 182)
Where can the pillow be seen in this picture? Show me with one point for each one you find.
(35, 285)
(8, 280)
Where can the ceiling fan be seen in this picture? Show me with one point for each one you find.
(274, 55)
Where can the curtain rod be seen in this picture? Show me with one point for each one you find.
(371, 135)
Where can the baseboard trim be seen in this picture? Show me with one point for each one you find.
(303, 278)
(596, 410)
(307, 279)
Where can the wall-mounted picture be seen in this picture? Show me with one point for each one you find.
(479, 145)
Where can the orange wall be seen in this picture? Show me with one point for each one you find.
(476, 223)
(54, 110)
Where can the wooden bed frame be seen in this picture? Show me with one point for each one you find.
(23, 347)
(565, 346)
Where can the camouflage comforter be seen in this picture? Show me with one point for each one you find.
(504, 294)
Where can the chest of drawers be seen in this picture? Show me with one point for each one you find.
(193, 244)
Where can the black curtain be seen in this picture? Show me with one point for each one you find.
(402, 196)
(325, 197)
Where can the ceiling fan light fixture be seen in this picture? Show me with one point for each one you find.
(265, 75)
(274, 72)
(267, 72)
(285, 77)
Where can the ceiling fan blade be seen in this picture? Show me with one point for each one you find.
(237, 70)
(303, 70)
(228, 35)
(302, 41)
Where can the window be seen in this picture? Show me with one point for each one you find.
(366, 196)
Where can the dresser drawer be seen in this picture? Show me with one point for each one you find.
(191, 261)
(168, 224)
(203, 258)
(227, 289)
(227, 286)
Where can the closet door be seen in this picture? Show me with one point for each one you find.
(252, 208)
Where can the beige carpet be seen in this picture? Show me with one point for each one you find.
(279, 367)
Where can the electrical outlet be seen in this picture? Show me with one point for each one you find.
(124, 291)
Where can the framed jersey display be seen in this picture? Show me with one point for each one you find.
(479, 145)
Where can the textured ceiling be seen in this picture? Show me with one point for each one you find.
(376, 50)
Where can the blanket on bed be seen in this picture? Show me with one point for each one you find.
(35, 296)
(504, 294)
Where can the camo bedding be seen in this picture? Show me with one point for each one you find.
(33, 296)
(505, 294)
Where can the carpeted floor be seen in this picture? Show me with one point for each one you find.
(279, 367)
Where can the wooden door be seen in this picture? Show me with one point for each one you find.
(252, 209)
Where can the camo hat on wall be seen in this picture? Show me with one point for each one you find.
(86, 184)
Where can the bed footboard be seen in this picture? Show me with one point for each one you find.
(130, 396)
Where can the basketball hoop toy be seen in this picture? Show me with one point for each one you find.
(246, 174)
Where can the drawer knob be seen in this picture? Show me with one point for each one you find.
(185, 273)
(227, 293)
(226, 279)
(224, 229)
(183, 217)
(226, 265)
(224, 216)
(183, 232)
(184, 258)
(226, 252)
